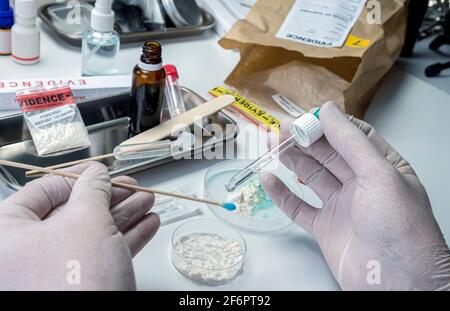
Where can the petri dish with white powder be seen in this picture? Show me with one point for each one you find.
(208, 252)
(256, 212)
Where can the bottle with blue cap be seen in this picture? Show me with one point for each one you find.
(6, 23)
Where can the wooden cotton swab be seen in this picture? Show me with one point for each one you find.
(228, 206)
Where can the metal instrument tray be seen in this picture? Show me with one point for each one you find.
(171, 32)
(107, 123)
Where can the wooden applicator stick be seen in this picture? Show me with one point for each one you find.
(228, 206)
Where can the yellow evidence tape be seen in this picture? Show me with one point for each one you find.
(250, 110)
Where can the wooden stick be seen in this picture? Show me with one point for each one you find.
(96, 158)
(186, 119)
(67, 164)
(115, 184)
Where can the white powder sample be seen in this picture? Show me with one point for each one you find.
(208, 257)
(57, 129)
(60, 136)
(249, 199)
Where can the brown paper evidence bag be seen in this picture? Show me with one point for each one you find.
(311, 75)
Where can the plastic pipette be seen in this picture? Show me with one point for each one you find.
(156, 149)
(306, 130)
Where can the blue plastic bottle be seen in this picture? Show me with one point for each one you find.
(6, 22)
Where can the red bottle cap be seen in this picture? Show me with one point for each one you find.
(171, 71)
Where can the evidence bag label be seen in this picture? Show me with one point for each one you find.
(45, 100)
(321, 23)
(47, 118)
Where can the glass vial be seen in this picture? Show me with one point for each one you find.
(6, 22)
(147, 92)
(101, 43)
(174, 98)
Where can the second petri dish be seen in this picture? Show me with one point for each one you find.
(208, 252)
(267, 219)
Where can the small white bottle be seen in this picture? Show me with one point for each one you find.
(101, 44)
(25, 35)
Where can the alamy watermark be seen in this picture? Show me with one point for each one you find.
(74, 13)
(73, 16)
(373, 276)
(374, 12)
(217, 142)
(73, 276)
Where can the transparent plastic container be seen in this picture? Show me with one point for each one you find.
(100, 53)
(173, 98)
(172, 210)
(269, 219)
(196, 270)
(71, 19)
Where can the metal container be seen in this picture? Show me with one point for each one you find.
(183, 12)
(107, 123)
(74, 37)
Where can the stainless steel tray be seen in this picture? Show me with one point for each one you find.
(171, 32)
(107, 122)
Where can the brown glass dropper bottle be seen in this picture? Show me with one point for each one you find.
(147, 92)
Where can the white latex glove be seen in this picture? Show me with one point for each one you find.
(56, 227)
(376, 224)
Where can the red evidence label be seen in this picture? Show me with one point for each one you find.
(46, 99)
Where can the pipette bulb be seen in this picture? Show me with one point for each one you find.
(103, 6)
(102, 16)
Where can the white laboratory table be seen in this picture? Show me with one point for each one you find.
(412, 115)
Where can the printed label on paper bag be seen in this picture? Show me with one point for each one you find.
(324, 23)
(288, 105)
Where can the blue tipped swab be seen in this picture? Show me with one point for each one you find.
(230, 207)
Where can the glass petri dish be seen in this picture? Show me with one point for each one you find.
(267, 220)
(203, 260)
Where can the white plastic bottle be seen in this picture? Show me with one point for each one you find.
(25, 35)
(101, 44)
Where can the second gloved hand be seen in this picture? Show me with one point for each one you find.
(61, 234)
(376, 228)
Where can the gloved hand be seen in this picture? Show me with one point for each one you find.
(376, 228)
(61, 234)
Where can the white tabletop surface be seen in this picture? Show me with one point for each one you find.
(411, 114)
